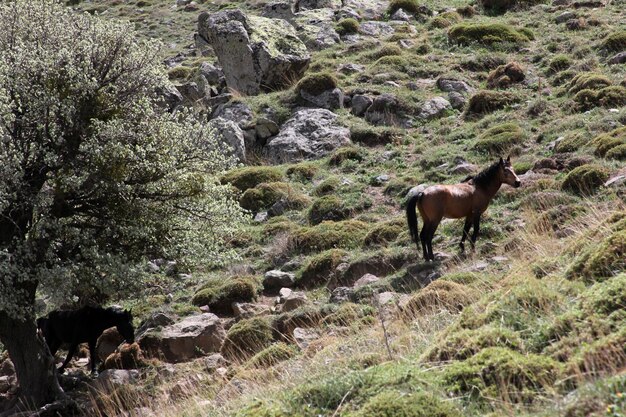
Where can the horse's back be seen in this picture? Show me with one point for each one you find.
(451, 201)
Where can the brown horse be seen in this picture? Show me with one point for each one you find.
(468, 199)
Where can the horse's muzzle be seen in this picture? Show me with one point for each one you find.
(518, 184)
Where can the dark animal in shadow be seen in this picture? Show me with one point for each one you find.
(468, 199)
(83, 325)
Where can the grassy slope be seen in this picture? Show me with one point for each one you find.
(546, 303)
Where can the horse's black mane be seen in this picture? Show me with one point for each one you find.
(484, 177)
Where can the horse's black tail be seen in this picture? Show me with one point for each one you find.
(411, 216)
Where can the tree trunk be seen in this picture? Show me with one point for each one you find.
(33, 363)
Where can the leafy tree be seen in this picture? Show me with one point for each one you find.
(95, 175)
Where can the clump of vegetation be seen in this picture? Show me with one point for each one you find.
(602, 260)
(612, 96)
(487, 101)
(571, 143)
(559, 63)
(180, 72)
(439, 295)
(501, 6)
(488, 34)
(249, 177)
(349, 314)
(384, 233)
(328, 186)
(316, 83)
(615, 42)
(607, 141)
(588, 81)
(394, 403)
(483, 62)
(585, 179)
(466, 11)
(346, 153)
(304, 171)
(247, 337)
(409, 6)
(129, 356)
(272, 355)
(505, 75)
(502, 373)
(618, 152)
(345, 234)
(329, 207)
(320, 268)
(347, 26)
(501, 138)
(264, 195)
(369, 136)
(219, 294)
(445, 20)
(464, 278)
(387, 50)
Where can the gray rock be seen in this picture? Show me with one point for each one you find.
(235, 111)
(351, 68)
(261, 217)
(7, 368)
(275, 279)
(278, 208)
(255, 52)
(415, 190)
(360, 104)
(229, 137)
(169, 97)
(111, 379)
(464, 168)
(316, 29)
(618, 58)
(304, 337)
(317, 4)
(278, 10)
(283, 294)
(190, 91)
(341, 295)
(213, 362)
(457, 100)
(366, 279)
(6, 383)
(330, 99)
(385, 109)
(406, 43)
(347, 13)
(248, 310)
(157, 319)
(451, 84)
(211, 73)
(265, 128)
(401, 15)
(376, 29)
(293, 301)
(434, 108)
(309, 134)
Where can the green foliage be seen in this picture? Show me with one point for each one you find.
(386, 50)
(588, 81)
(347, 26)
(304, 171)
(409, 6)
(559, 63)
(612, 96)
(487, 101)
(396, 404)
(219, 294)
(606, 297)
(615, 42)
(317, 83)
(319, 269)
(345, 234)
(329, 185)
(572, 143)
(618, 152)
(264, 195)
(439, 295)
(329, 207)
(272, 355)
(500, 139)
(464, 278)
(384, 233)
(487, 34)
(373, 136)
(349, 314)
(346, 153)
(602, 260)
(250, 177)
(445, 20)
(605, 142)
(585, 179)
(501, 372)
(247, 337)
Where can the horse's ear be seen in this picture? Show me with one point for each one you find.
(508, 159)
(501, 161)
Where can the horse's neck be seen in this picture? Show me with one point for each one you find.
(107, 320)
(491, 189)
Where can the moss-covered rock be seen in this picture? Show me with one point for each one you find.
(249, 177)
(347, 26)
(612, 96)
(329, 207)
(349, 314)
(247, 337)
(409, 6)
(500, 139)
(498, 372)
(572, 142)
(219, 294)
(264, 195)
(501, 6)
(373, 136)
(585, 179)
(445, 20)
(345, 234)
(439, 295)
(487, 101)
(316, 83)
(488, 34)
(399, 404)
(615, 42)
(384, 233)
(605, 142)
(320, 268)
(272, 355)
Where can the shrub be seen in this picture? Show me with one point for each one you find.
(505, 75)
(409, 6)
(483, 62)
(606, 297)
(607, 141)
(249, 177)
(317, 83)
(559, 63)
(588, 81)
(398, 404)
(329, 207)
(439, 295)
(386, 50)
(247, 337)
(487, 101)
(501, 372)
(219, 294)
(445, 20)
(329, 185)
(585, 179)
(346, 153)
(319, 269)
(618, 152)
(302, 171)
(369, 136)
(499, 139)
(327, 235)
(612, 96)
(571, 143)
(383, 233)
(605, 355)
(272, 355)
(602, 260)
(347, 26)
(264, 195)
(615, 42)
(487, 34)
(179, 73)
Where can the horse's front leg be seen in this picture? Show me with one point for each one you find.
(466, 229)
(476, 230)
(70, 355)
(93, 357)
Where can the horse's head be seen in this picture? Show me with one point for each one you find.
(507, 174)
(125, 326)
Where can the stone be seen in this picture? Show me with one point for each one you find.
(385, 110)
(360, 104)
(278, 10)
(376, 29)
(366, 279)
(565, 16)
(406, 43)
(341, 295)
(283, 294)
(157, 319)
(275, 279)
(434, 108)
(309, 134)
(457, 100)
(235, 111)
(265, 128)
(464, 168)
(301, 5)
(329, 99)
(453, 85)
(190, 92)
(294, 300)
(256, 53)
(229, 137)
(350, 69)
(185, 340)
(415, 191)
(248, 310)
(213, 362)
(304, 337)
(316, 29)
(618, 58)
(261, 217)
(400, 15)
(108, 343)
(110, 379)
(6, 383)
(169, 97)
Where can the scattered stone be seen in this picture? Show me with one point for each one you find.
(169, 97)
(230, 137)
(434, 108)
(421, 84)
(400, 15)
(294, 300)
(309, 134)
(341, 295)
(351, 69)
(360, 104)
(453, 85)
(110, 379)
(283, 294)
(155, 320)
(261, 217)
(366, 279)
(406, 43)
(464, 168)
(275, 279)
(457, 100)
(248, 310)
(380, 180)
(385, 110)
(265, 128)
(304, 337)
(213, 362)
(618, 58)
(376, 29)
(278, 10)
(316, 29)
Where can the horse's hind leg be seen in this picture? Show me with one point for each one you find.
(70, 355)
(466, 229)
(431, 235)
(93, 357)
(476, 230)
(424, 239)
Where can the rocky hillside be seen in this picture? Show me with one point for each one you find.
(337, 109)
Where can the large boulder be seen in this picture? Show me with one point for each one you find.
(230, 135)
(309, 134)
(108, 342)
(256, 53)
(186, 339)
(316, 28)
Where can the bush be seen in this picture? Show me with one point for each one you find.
(499, 139)
(487, 34)
(585, 179)
(272, 355)
(219, 294)
(612, 96)
(315, 84)
(247, 337)
(329, 207)
(264, 195)
(439, 295)
(615, 42)
(398, 404)
(483, 62)
(487, 101)
(607, 141)
(329, 185)
(588, 81)
(606, 297)
(501, 372)
(559, 63)
(409, 6)
(618, 152)
(505, 75)
(347, 26)
(346, 234)
(319, 269)
(384, 233)
(249, 177)
(302, 171)
(386, 50)
(571, 143)
(445, 20)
